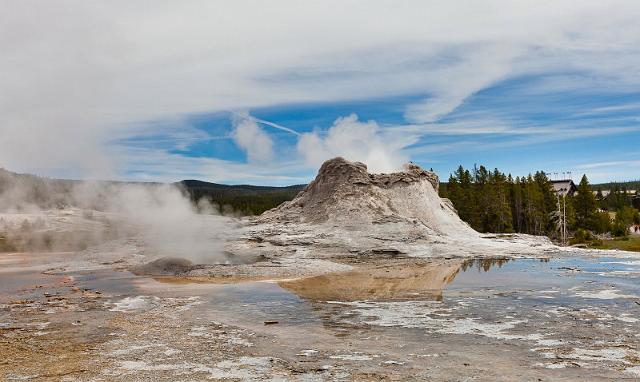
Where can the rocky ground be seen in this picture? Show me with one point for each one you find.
(554, 319)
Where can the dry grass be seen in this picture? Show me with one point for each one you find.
(631, 243)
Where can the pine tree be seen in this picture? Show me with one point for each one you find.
(585, 205)
(602, 222)
(517, 208)
(498, 218)
(467, 197)
(535, 211)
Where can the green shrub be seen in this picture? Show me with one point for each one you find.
(596, 243)
(619, 229)
(581, 236)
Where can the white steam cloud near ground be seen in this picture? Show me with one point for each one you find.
(165, 220)
(41, 214)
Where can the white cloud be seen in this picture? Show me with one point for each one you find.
(476, 69)
(253, 140)
(357, 141)
(75, 73)
(622, 168)
(611, 164)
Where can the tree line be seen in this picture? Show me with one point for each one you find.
(491, 201)
(236, 203)
(239, 199)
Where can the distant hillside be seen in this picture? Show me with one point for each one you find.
(24, 188)
(243, 199)
(629, 185)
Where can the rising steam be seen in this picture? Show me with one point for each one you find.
(43, 214)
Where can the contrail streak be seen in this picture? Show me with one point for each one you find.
(263, 122)
(275, 125)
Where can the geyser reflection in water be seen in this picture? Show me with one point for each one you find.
(416, 280)
(413, 280)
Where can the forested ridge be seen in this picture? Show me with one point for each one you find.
(628, 185)
(240, 199)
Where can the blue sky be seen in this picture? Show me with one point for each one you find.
(248, 92)
(506, 125)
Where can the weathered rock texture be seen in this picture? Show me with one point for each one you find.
(344, 194)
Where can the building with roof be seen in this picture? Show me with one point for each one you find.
(564, 187)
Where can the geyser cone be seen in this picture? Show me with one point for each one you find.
(344, 194)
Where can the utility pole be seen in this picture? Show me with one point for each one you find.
(559, 213)
(560, 217)
(564, 220)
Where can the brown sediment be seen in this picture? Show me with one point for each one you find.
(47, 347)
(45, 336)
(47, 357)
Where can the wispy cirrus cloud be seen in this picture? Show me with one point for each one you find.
(84, 80)
(589, 166)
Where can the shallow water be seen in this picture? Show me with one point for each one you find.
(525, 275)
(567, 276)
(563, 318)
(571, 281)
(21, 275)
